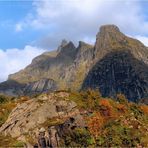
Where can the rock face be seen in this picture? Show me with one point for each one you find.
(110, 39)
(27, 118)
(119, 72)
(40, 86)
(121, 65)
(118, 57)
(13, 88)
(47, 66)
(67, 67)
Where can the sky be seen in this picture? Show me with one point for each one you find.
(31, 27)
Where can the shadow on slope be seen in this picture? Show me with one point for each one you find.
(119, 72)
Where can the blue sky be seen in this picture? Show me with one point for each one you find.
(30, 27)
(10, 13)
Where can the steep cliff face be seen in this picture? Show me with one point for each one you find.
(76, 72)
(40, 86)
(119, 72)
(121, 65)
(13, 88)
(111, 39)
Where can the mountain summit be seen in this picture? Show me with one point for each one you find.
(115, 64)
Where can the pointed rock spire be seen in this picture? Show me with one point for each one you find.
(63, 44)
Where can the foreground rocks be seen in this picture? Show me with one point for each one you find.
(54, 120)
(45, 110)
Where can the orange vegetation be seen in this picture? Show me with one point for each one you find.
(95, 123)
(144, 108)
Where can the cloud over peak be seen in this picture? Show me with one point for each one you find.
(73, 20)
(80, 20)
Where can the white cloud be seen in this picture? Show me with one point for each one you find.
(13, 60)
(79, 20)
(143, 39)
(74, 20)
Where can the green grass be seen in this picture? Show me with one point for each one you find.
(8, 141)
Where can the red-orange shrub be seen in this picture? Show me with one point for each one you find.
(105, 102)
(121, 108)
(106, 108)
(95, 124)
(144, 108)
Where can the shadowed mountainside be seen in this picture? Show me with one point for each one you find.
(119, 72)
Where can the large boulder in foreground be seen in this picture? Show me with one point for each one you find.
(27, 118)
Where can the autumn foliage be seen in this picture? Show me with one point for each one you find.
(144, 108)
(121, 108)
(106, 108)
(95, 123)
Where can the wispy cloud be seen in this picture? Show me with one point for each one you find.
(18, 27)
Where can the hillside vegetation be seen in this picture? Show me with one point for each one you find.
(113, 122)
(109, 122)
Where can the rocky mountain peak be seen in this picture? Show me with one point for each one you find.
(68, 49)
(109, 28)
(82, 45)
(108, 36)
(63, 44)
(116, 64)
(110, 39)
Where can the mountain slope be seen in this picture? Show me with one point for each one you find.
(119, 72)
(116, 64)
(121, 67)
(63, 66)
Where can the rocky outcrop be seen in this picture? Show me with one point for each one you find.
(44, 111)
(11, 88)
(121, 65)
(110, 39)
(60, 131)
(40, 86)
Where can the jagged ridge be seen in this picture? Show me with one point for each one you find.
(69, 66)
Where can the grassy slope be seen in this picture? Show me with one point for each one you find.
(6, 106)
(113, 123)
(110, 122)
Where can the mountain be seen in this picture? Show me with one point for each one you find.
(121, 67)
(115, 64)
(84, 96)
